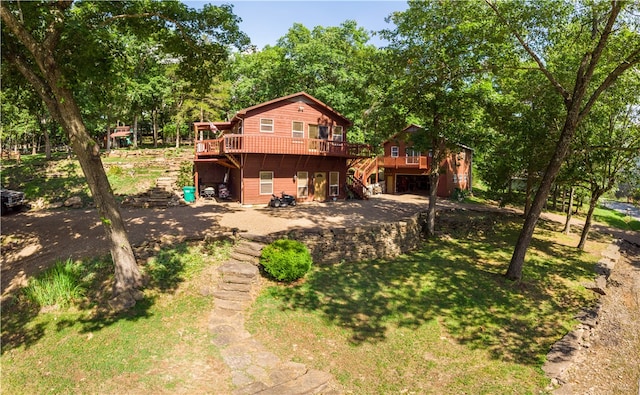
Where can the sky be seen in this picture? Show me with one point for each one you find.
(267, 20)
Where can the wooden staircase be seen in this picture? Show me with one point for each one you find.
(362, 169)
(357, 187)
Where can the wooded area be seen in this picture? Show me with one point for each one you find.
(544, 92)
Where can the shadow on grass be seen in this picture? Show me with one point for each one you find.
(457, 282)
(164, 273)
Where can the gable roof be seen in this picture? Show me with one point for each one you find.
(291, 98)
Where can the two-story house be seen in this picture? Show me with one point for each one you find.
(406, 170)
(294, 144)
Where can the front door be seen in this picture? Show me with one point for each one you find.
(391, 186)
(320, 187)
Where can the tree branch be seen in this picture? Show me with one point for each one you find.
(634, 58)
(563, 92)
(38, 84)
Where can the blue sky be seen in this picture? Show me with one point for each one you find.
(266, 21)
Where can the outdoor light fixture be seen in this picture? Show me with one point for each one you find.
(300, 109)
(295, 177)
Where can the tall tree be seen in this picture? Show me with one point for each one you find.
(330, 63)
(581, 48)
(53, 44)
(436, 58)
(608, 143)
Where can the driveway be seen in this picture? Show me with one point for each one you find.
(33, 240)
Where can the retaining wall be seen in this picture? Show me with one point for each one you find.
(359, 243)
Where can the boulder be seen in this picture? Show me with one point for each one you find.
(73, 201)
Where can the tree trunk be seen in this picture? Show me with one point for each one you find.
(433, 196)
(567, 224)
(47, 141)
(587, 222)
(178, 122)
(135, 131)
(49, 82)
(514, 271)
(154, 116)
(528, 192)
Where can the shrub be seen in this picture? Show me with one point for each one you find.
(286, 260)
(59, 285)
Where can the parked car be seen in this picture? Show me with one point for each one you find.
(11, 199)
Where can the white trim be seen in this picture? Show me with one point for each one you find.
(267, 182)
(271, 125)
(397, 151)
(302, 182)
(294, 131)
(336, 185)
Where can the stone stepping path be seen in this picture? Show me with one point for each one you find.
(254, 369)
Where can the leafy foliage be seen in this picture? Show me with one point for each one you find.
(286, 260)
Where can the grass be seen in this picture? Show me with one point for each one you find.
(60, 178)
(58, 286)
(615, 219)
(440, 320)
(161, 345)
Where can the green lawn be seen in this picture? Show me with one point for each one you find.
(161, 345)
(439, 320)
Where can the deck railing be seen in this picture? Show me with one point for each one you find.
(408, 162)
(238, 143)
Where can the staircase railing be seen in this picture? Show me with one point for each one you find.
(357, 187)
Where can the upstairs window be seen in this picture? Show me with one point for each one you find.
(338, 133)
(413, 156)
(266, 125)
(395, 151)
(297, 129)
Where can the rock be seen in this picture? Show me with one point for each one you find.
(73, 201)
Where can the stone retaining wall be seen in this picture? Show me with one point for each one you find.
(358, 243)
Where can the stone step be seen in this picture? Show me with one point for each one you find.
(234, 286)
(239, 269)
(250, 248)
(234, 305)
(239, 256)
(312, 382)
(232, 279)
(232, 295)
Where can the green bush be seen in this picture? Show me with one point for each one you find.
(286, 260)
(59, 285)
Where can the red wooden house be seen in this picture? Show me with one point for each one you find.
(295, 144)
(406, 170)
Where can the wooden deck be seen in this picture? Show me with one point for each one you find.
(238, 144)
(407, 162)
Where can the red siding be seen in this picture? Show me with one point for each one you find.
(284, 167)
(283, 115)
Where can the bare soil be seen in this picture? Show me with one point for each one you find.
(33, 240)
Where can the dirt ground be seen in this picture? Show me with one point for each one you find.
(611, 363)
(33, 240)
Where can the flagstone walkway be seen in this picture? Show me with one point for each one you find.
(254, 369)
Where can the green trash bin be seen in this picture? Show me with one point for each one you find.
(189, 194)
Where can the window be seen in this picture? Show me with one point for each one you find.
(303, 184)
(334, 179)
(297, 129)
(413, 157)
(266, 125)
(395, 151)
(266, 182)
(337, 133)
